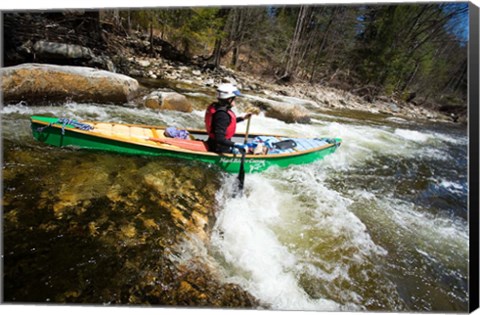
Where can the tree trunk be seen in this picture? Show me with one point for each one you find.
(151, 38)
(321, 48)
(217, 51)
(116, 18)
(129, 23)
(292, 55)
(410, 78)
(235, 57)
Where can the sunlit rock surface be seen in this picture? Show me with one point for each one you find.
(44, 83)
(168, 101)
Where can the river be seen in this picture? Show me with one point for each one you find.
(381, 224)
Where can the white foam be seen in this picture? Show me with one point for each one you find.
(244, 235)
(249, 230)
(451, 186)
(413, 135)
(20, 108)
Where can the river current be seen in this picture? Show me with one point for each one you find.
(381, 224)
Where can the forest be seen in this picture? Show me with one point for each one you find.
(405, 50)
(413, 52)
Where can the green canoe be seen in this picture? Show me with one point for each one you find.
(151, 140)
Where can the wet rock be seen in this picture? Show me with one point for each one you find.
(168, 101)
(43, 83)
(289, 113)
(153, 101)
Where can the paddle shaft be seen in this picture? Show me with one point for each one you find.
(246, 132)
(241, 173)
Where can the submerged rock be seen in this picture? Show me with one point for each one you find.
(108, 229)
(190, 209)
(43, 83)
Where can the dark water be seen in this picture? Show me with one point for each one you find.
(380, 225)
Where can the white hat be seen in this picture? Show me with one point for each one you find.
(227, 90)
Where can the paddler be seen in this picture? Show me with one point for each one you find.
(221, 121)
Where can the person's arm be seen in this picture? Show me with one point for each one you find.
(240, 119)
(220, 125)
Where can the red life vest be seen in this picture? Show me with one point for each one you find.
(211, 110)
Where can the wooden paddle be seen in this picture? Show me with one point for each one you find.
(246, 132)
(241, 173)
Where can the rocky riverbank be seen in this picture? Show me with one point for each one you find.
(63, 40)
(312, 96)
(40, 83)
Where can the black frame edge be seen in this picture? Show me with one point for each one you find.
(473, 128)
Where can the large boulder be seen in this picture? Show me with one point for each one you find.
(289, 113)
(44, 83)
(168, 101)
